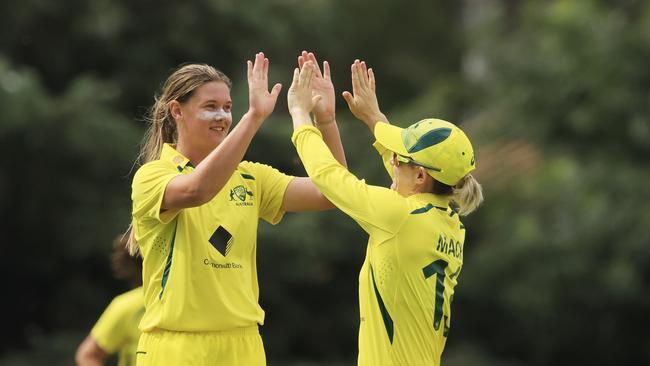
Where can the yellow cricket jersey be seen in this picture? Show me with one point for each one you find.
(117, 328)
(199, 263)
(413, 259)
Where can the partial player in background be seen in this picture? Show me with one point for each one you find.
(117, 331)
(415, 248)
(196, 207)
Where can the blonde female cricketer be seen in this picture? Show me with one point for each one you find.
(196, 207)
(415, 250)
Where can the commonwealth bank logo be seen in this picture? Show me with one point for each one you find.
(221, 240)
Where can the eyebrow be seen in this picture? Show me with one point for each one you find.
(215, 102)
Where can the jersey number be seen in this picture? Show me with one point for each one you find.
(437, 268)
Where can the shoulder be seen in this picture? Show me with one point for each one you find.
(131, 300)
(154, 166)
(153, 171)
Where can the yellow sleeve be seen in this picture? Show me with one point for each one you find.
(385, 157)
(111, 330)
(371, 206)
(148, 190)
(272, 184)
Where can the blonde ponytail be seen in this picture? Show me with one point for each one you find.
(468, 194)
(179, 86)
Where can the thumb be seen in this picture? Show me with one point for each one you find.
(276, 90)
(348, 97)
(315, 99)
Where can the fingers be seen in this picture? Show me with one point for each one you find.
(249, 69)
(363, 74)
(317, 71)
(296, 74)
(371, 79)
(326, 70)
(306, 74)
(355, 77)
(257, 65)
(260, 69)
(265, 68)
(276, 91)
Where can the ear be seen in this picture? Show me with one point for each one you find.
(421, 176)
(175, 109)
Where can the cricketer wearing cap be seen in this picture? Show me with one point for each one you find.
(415, 248)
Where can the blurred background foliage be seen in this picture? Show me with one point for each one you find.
(554, 94)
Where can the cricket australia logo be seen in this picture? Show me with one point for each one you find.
(241, 196)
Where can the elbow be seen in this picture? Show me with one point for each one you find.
(199, 194)
(83, 356)
(79, 357)
(327, 204)
(198, 197)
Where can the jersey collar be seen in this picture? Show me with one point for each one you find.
(170, 154)
(438, 201)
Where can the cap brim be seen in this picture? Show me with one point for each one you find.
(390, 137)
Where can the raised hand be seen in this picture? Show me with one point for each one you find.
(325, 109)
(300, 98)
(363, 102)
(261, 102)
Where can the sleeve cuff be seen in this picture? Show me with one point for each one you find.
(280, 213)
(380, 148)
(303, 129)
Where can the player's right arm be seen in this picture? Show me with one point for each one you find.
(210, 176)
(90, 353)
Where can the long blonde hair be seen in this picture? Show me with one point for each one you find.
(468, 194)
(179, 86)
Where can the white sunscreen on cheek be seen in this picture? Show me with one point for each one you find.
(216, 115)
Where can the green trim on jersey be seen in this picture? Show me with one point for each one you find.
(388, 321)
(168, 264)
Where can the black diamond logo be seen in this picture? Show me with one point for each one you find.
(221, 240)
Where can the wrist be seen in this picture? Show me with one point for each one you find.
(324, 121)
(254, 117)
(373, 119)
(300, 117)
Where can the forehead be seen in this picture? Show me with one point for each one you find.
(214, 90)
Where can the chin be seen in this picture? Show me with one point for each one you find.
(215, 140)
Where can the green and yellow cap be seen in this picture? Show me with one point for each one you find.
(438, 145)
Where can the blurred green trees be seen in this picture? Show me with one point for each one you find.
(557, 263)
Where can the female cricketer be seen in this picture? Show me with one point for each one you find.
(196, 207)
(415, 247)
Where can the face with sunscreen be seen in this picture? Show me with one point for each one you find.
(205, 118)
